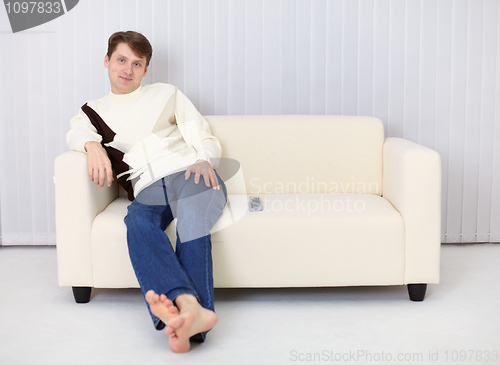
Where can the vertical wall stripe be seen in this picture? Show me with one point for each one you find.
(494, 212)
(365, 58)
(381, 60)
(396, 71)
(287, 60)
(270, 43)
(443, 96)
(428, 69)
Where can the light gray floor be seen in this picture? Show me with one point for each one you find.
(460, 318)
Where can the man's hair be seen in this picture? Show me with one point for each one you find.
(136, 41)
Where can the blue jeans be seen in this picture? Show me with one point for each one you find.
(188, 269)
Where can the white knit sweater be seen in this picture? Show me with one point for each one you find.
(155, 130)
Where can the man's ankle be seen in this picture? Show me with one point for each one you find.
(185, 299)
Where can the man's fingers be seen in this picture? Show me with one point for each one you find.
(197, 176)
(109, 171)
(100, 174)
(101, 177)
(212, 181)
(208, 174)
(90, 170)
(207, 179)
(215, 181)
(95, 175)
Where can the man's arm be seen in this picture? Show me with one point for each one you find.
(81, 132)
(196, 132)
(84, 137)
(98, 164)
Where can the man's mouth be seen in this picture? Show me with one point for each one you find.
(126, 79)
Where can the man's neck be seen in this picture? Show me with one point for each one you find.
(127, 97)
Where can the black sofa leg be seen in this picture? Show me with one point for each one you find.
(417, 292)
(82, 293)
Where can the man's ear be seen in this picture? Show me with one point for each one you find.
(106, 61)
(145, 71)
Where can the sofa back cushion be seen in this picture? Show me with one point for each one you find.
(303, 154)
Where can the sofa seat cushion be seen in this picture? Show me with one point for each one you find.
(302, 240)
(111, 266)
(298, 240)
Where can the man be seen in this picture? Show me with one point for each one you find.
(159, 146)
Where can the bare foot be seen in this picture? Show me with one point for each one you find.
(161, 306)
(191, 320)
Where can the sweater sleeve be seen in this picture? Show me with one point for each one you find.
(196, 131)
(81, 132)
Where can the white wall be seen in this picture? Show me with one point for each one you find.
(429, 69)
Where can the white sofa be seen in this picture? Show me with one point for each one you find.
(342, 206)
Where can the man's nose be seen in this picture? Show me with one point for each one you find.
(129, 68)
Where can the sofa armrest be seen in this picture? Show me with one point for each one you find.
(412, 183)
(78, 201)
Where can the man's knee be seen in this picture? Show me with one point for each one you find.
(199, 206)
(132, 216)
(196, 217)
(137, 215)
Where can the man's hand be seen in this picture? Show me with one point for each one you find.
(202, 167)
(98, 164)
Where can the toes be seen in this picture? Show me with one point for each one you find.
(179, 346)
(169, 304)
(166, 301)
(152, 297)
(172, 335)
(175, 322)
(169, 331)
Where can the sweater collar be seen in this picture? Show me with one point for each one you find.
(127, 98)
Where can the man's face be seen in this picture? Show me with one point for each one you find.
(125, 69)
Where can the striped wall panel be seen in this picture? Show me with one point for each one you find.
(429, 69)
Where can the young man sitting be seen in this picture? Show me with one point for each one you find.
(160, 147)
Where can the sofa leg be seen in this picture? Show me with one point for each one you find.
(417, 292)
(82, 293)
